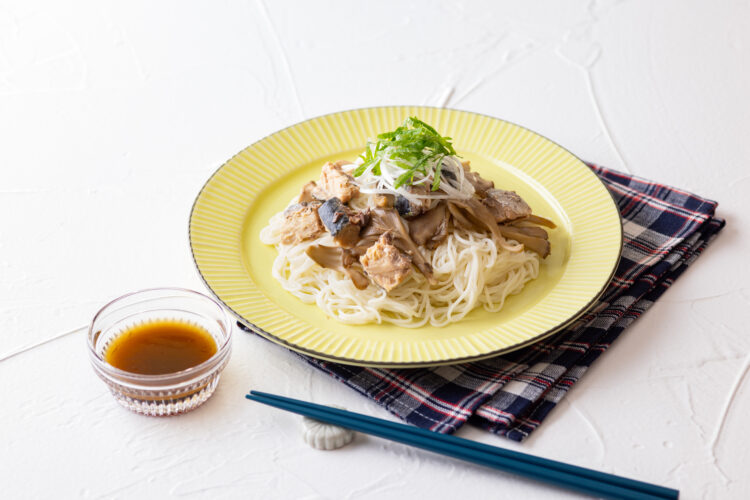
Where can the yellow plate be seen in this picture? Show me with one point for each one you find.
(245, 192)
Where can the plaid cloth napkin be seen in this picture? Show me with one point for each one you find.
(665, 230)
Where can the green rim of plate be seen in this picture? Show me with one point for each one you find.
(575, 198)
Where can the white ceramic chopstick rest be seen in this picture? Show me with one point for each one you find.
(325, 436)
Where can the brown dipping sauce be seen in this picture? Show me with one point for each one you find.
(159, 347)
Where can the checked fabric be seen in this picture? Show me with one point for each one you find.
(665, 230)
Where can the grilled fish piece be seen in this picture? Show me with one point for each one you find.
(301, 223)
(342, 222)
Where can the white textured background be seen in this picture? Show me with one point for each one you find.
(113, 114)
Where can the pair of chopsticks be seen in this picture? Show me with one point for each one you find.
(541, 469)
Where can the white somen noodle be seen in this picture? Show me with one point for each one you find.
(470, 270)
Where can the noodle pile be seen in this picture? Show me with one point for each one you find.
(469, 267)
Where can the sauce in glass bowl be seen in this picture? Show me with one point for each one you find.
(161, 351)
(160, 346)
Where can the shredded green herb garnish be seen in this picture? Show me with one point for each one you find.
(413, 147)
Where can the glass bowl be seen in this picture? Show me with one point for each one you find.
(170, 393)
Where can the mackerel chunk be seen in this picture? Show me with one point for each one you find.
(505, 205)
(301, 223)
(334, 182)
(342, 222)
(385, 264)
(408, 208)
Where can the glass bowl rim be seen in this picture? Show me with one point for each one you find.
(177, 378)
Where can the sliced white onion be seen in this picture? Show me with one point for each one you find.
(384, 183)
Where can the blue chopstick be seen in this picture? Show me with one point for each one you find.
(558, 473)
